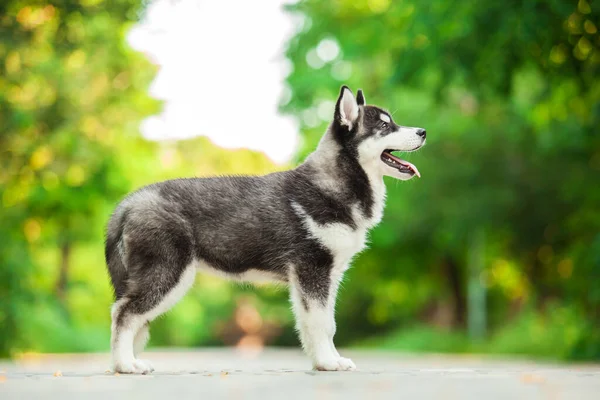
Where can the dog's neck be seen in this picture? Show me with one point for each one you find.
(332, 172)
(325, 161)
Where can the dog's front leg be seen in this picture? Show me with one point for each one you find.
(314, 308)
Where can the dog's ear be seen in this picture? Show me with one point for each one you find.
(360, 98)
(346, 108)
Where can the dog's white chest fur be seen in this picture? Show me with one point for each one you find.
(342, 240)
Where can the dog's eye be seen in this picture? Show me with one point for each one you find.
(384, 125)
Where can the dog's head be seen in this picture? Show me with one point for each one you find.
(371, 135)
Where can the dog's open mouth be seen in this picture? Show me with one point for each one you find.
(401, 165)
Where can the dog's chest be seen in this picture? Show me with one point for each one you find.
(342, 240)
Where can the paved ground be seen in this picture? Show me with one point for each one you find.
(286, 374)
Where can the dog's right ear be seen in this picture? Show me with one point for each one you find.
(360, 98)
(346, 108)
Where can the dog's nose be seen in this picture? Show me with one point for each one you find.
(422, 132)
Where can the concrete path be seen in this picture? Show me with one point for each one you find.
(286, 375)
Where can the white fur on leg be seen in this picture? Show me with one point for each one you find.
(122, 340)
(123, 358)
(316, 327)
(139, 343)
(141, 339)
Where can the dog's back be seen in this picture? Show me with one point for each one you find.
(193, 218)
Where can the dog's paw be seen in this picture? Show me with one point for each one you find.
(336, 364)
(124, 367)
(135, 366)
(144, 366)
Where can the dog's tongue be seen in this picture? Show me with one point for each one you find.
(411, 166)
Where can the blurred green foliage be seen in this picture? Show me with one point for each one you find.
(510, 96)
(70, 93)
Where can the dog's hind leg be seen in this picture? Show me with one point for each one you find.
(139, 343)
(141, 339)
(132, 314)
(124, 328)
(313, 301)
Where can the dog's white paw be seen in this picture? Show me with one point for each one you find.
(135, 366)
(124, 367)
(336, 364)
(144, 366)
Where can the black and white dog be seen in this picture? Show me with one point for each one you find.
(301, 227)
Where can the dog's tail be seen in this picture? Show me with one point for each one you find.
(114, 252)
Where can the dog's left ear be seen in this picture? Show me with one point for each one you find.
(346, 108)
(360, 98)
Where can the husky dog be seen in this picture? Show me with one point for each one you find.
(300, 227)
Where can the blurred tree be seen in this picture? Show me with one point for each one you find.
(509, 93)
(70, 88)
